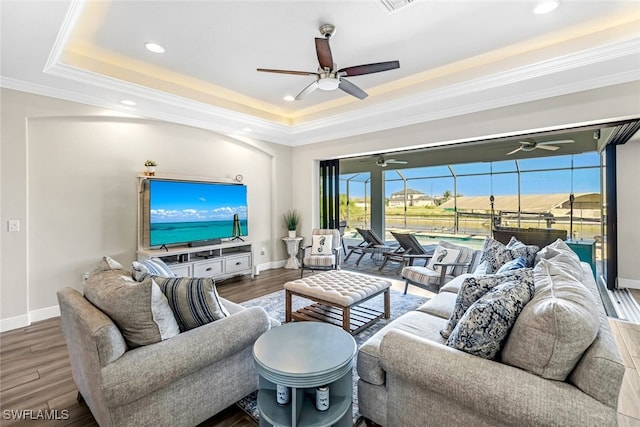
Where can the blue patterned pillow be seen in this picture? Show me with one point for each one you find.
(496, 254)
(528, 252)
(193, 300)
(514, 264)
(153, 266)
(486, 324)
(474, 287)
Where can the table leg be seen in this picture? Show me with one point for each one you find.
(287, 309)
(346, 318)
(387, 304)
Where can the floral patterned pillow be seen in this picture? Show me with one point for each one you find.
(474, 287)
(486, 324)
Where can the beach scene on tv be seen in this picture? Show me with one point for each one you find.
(182, 212)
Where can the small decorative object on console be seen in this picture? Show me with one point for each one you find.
(290, 221)
(151, 167)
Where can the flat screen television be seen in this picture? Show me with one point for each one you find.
(194, 211)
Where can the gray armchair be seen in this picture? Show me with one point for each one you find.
(181, 381)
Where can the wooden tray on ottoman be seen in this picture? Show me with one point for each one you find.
(337, 296)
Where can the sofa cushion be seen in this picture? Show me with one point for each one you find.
(563, 257)
(417, 323)
(474, 287)
(194, 300)
(453, 285)
(441, 306)
(485, 325)
(140, 310)
(556, 327)
(154, 266)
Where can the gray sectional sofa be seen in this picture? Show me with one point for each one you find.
(545, 375)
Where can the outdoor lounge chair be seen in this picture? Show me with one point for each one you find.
(409, 245)
(370, 244)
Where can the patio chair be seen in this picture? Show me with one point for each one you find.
(368, 245)
(446, 262)
(409, 245)
(321, 254)
(342, 226)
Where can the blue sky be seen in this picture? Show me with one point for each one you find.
(180, 201)
(534, 178)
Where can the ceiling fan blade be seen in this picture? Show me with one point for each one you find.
(397, 162)
(560, 141)
(307, 90)
(352, 89)
(359, 70)
(547, 147)
(324, 53)
(297, 73)
(514, 151)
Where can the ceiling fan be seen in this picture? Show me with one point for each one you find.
(382, 162)
(546, 145)
(328, 76)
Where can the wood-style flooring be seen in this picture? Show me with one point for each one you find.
(35, 373)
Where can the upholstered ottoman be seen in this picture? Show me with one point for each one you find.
(337, 296)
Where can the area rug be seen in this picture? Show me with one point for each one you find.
(273, 303)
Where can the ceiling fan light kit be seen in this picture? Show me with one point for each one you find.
(328, 76)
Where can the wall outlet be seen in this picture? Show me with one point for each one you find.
(85, 277)
(13, 225)
(263, 251)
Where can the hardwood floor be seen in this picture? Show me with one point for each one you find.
(35, 374)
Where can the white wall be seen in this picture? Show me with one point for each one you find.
(69, 175)
(627, 179)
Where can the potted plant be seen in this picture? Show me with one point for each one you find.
(291, 219)
(151, 167)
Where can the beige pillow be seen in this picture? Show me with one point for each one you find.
(555, 328)
(140, 310)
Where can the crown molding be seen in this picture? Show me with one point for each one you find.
(606, 65)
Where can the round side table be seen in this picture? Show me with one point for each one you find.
(292, 249)
(303, 356)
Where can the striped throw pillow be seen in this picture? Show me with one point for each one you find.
(194, 300)
(153, 266)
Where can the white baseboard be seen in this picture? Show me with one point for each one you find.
(628, 283)
(44, 313)
(269, 266)
(16, 322)
(27, 319)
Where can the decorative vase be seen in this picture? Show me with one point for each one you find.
(151, 170)
(292, 234)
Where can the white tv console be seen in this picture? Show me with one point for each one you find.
(219, 261)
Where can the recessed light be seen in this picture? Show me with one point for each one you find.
(247, 129)
(289, 98)
(128, 102)
(546, 6)
(154, 47)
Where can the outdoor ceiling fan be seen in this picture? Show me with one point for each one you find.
(382, 162)
(328, 76)
(546, 145)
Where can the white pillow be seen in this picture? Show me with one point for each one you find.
(443, 255)
(322, 244)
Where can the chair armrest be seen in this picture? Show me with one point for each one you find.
(410, 258)
(146, 369)
(496, 390)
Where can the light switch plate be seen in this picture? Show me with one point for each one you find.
(13, 225)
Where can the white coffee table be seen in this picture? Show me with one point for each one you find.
(304, 356)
